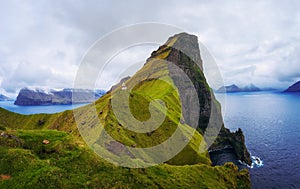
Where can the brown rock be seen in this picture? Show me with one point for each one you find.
(5, 177)
(45, 141)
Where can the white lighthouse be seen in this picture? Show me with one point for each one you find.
(124, 86)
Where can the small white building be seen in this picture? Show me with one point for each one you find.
(124, 86)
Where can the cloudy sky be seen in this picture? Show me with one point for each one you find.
(42, 42)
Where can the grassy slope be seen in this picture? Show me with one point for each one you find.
(67, 162)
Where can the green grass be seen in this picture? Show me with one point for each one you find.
(64, 164)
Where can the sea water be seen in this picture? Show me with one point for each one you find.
(271, 125)
(9, 105)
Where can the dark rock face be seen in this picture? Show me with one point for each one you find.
(235, 140)
(188, 59)
(234, 89)
(190, 62)
(294, 88)
(28, 97)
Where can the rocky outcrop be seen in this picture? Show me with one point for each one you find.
(185, 54)
(10, 136)
(234, 89)
(294, 88)
(188, 59)
(234, 140)
(29, 97)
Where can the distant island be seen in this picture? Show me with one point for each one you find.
(4, 98)
(30, 97)
(294, 88)
(234, 89)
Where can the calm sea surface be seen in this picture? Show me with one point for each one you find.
(9, 105)
(271, 124)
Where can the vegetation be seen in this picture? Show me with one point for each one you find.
(47, 150)
(64, 164)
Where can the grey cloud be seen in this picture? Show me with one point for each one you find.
(26, 74)
(290, 63)
(250, 40)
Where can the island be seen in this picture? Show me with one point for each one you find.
(293, 88)
(235, 89)
(34, 97)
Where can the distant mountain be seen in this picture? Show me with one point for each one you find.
(234, 89)
(294, 88)
(29, 97)
(4, 98)
(229, 89)
(251, 88)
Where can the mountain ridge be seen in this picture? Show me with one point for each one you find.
(234, 89)
(36, 96)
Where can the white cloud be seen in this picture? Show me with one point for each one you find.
(42, 43)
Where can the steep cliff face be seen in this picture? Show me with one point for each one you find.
(232, 140)
(184, 52)
(29, 97)
(294, 88)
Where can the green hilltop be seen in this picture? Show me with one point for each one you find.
(56, 150)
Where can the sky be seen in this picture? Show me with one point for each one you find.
(42, 43)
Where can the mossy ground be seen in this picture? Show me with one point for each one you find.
(64, 164)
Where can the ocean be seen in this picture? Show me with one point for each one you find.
(271, 125)
(27, 110)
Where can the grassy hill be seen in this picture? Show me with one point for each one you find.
(56, 150)
(67, 163)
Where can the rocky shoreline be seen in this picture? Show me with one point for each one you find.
(235, 141)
